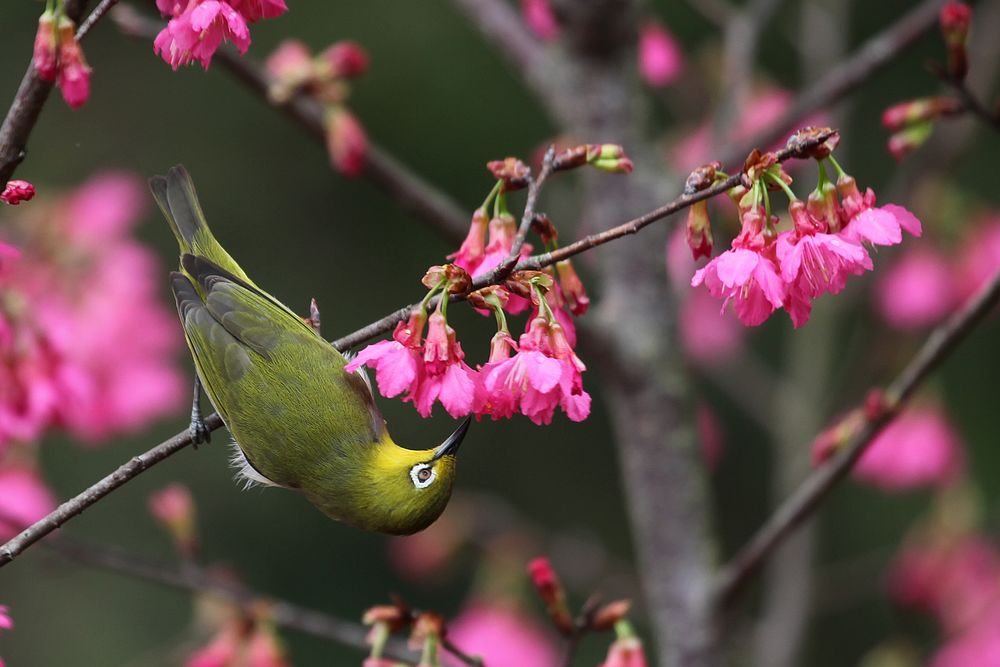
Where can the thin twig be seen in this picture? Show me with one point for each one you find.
(83, 500)
(95, 16)
(470, 660)
(25, 109)
(582, 624)
(875, 54)
(732, 579)
(412, 193)
(534, 187)
(198, 580)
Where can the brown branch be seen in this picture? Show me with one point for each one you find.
(29, 101)
(534, 187)
(732, 579)
(413, 194)
(872, 56)
(198, 580)
(83, 500)
(138, 464)
(95, 16)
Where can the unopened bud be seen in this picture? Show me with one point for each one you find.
(345, 60)
(907, 140)
(609, 157)
(290, 67)
(17, 191)
(572, 288)
(345, 141)
(955, 19)
(45, 56)
(914, 111)
(551, 592)
(699, 230)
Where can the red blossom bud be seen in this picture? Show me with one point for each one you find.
(74, 72)
(610, 614)
(290, 67)
(914, 111)
(907, 140)
(955, 19)
(17, 191)
(551, 592)
(572, 288)
(45, 57)
(345, 60)
(609, 157)
(345, 141)
(699, 230)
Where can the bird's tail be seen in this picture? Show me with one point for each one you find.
(176, 197)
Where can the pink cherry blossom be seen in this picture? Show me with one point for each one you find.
(446, 375)
(917, 291)
(346, 142)
(24, 499)
(398, 363)
(863, 222)
(45, 57)
(470, 253)
(708, 336)
(919, 448)
(73, 78)
(17, 191)
(502, 637)
(539, 18)
(198, 31)
(256, 10)
(660, 58)
(625, 652)
(105, 207)
(747, 273)
(345, 59)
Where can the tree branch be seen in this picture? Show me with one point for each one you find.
(138, 464)
(875, 54)
(413, 194)
(732, 579)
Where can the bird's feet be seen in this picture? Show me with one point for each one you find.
(200, 433)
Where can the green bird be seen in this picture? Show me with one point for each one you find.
(297, 418)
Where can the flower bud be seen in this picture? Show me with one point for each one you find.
(174, 508)
(609, 157)
(45, 57)
(346, 60)
(551, 592)
(955, 19)
(610, 614)
(74, 72)
(345, 141)
(909, 139)
(699, 230)
(290, 67)
(17, 191)
(572, 288)
(914, 111)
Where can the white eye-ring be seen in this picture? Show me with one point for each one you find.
(423, 475)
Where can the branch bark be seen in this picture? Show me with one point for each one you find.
(807, 498)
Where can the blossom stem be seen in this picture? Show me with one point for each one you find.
(836, 165)
(784, 186)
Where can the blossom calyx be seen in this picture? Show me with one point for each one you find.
(523, 283)
(807, 143)
(452, 277)
(702, 178)
(546, 583)
(514, 173)
(491, 297)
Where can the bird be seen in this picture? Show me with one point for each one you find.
(297, 418)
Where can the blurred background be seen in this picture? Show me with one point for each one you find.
(441, 101)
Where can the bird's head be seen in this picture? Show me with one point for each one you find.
(402, 491)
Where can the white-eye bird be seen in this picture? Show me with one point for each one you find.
(298, 419)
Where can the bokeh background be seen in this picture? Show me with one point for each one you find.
(444, 103)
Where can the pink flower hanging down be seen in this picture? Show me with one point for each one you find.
(446, 375)
(747, 273)
(398, 363)
(197, 31)
(863, 222)
(919, 449)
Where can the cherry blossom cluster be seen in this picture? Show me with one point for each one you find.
(197, 28)
(58, 57)
(326, 78)
(532, 375)
(17, 191)
(768, 267)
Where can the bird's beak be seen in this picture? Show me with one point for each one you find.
(454, 441)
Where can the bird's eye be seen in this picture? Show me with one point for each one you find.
(423, 475)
